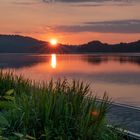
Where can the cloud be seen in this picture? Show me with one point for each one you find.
(89, 1)
(103, 4)
(95, 3)
(25, 2)
(79, 2)
(120, 26)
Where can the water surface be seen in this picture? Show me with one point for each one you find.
(116, 74)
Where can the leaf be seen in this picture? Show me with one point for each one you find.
(10, 92)
(19, 135)
(4, 105)
(9, 98)
(3, 121)
(3, 138)
(30, 137)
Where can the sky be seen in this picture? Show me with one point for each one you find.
(72, 21)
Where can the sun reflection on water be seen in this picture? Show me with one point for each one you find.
(53, 61)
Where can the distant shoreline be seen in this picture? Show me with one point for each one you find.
(22, 44)
(96, 53)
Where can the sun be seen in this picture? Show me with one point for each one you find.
(53, 41)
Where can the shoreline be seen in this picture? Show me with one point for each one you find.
(124, 115)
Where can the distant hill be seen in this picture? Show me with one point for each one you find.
(97, 46)
(21, 44)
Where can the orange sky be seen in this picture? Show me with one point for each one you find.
(112, 22)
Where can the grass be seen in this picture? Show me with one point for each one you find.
(55, 110)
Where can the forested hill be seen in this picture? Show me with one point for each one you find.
(21, 44)
(97, 46)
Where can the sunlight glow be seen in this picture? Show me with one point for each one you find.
(53, 61)
(53, 41)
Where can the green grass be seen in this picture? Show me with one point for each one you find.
(55, 110)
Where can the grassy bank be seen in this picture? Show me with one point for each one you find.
(51, 111)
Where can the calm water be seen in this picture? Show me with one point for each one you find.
(118, 75)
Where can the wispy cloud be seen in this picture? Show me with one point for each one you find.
(78, 2)
(95, 3)
(90, 1)
(121, 26)
(25, 2)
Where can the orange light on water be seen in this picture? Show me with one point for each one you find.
(53, 61)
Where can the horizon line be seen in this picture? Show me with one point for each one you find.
(47, 41)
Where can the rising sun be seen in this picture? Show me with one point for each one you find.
(53, 41)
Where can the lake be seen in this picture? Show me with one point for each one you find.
(116, 74)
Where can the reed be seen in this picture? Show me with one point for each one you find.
(55, 110)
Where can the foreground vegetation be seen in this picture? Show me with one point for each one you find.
(51, 111)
